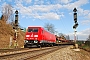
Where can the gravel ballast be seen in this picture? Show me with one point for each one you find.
(67, 54)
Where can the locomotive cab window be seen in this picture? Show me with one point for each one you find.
(33, 30)
(30, 30)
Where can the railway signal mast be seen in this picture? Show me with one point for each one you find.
(16, 28)
(76, 23)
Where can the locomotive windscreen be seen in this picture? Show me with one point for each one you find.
(32, 30)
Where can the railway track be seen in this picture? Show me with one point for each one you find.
(30, 54)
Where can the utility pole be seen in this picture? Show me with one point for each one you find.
(16, 28)
(76, 24)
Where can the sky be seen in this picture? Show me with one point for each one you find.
(56, 12)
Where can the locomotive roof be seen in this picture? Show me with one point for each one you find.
(35, 26)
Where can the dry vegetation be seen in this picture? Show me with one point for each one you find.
(6, 31)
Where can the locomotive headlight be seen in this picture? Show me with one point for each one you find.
(27, 35)
(59, 41)
(35, 35)
(26, 41)
(35, 41)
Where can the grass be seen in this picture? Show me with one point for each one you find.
(86, 47)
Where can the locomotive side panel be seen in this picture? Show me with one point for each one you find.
(50, 38)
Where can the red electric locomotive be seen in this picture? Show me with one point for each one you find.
(37, 36)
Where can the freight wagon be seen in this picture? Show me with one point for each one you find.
(38, 36)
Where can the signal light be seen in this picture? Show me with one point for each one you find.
(74, 27)
(16, 12)
(75, 20)
(16, 20)
(74, 10)
(76, 24)
(75, 17)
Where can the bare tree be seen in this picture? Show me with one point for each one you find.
(88, 39)
(7, 13)
(50, 27)
(62, 36)
(67, 37)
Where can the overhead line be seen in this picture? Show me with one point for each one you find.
(61, 20)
